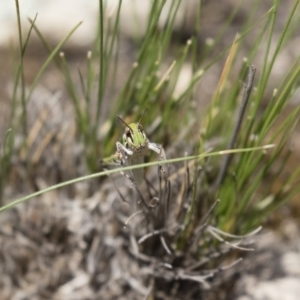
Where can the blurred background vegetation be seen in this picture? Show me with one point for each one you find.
(62, 86)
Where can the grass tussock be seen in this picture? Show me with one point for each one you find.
(180, 229)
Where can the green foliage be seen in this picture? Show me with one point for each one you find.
(245, 200)
(240, 208)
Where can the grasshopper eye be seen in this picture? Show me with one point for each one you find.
(140, 128)
(128, 133)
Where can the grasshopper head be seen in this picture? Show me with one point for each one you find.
(134, 136)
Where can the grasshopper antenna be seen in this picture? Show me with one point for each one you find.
(141, 118)
(122, 121)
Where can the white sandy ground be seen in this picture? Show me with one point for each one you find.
(56, 18)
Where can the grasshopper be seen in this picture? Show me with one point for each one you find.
(134, 147)
(135, 144)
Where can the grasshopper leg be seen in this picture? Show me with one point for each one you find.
(158, 149)
(123, 152)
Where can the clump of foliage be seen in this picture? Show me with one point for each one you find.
(192, 215)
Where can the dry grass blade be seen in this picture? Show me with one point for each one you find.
(246, 96)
